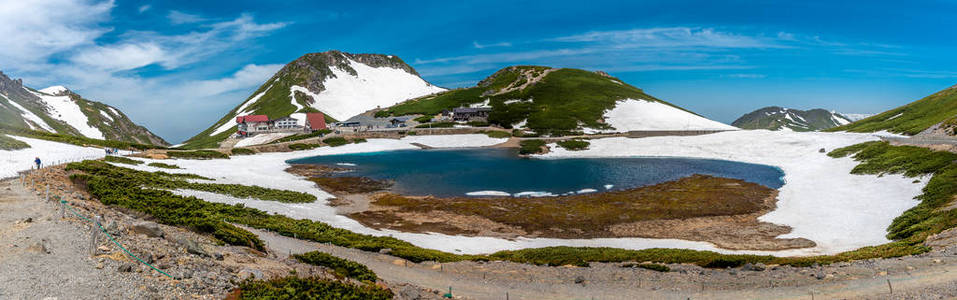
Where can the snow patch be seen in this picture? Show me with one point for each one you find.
(261, 138)
(488, 194)
(53, 90)
(636, 115)
(30, 116)
(65, 109)
(585, 191)
(106, 115)
(346, 164)
(347, 95)
(533, 194)
(453, 141)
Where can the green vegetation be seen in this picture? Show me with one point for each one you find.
(242, 151)
(437, 125)
(300, 146)
(122, 160)
(359, 140)
(293, 287)
(9, 143)
(498, 134)
(335, 141)
(162, 165)
(531, 146)
(197, 154)
(653, 267)
(298, 137)
(477, 124)
(911, 118)
(562, 100)
(342, 267)
(573, 145)
(424, 119)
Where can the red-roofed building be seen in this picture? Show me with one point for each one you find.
(252, 123)
(315, 121)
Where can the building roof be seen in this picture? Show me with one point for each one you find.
(471, 109)
(252, 118)
(316, 121)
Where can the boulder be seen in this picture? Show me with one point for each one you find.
(125, 268)
(149, 229)
(753, 267)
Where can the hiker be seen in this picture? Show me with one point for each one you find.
(37, 161)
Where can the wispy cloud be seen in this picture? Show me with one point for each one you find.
(144, 8)
(673, 37)
(176, 17)
(35, 30)
(492, 45)
(745, 76)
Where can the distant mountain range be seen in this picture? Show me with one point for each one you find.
(935, 112)
(780, 118)
(338, 84)
(57, 109)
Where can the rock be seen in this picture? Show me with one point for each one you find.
(218, 256)
(385, 251)
(247, 273)
(100, 265)
(28, 220)
(191, 246)
(936, 260)
(820, 275)
(149, 229)
(579, 280)
(40, 247)
(753, 267)
(822, 150)
(125, 268)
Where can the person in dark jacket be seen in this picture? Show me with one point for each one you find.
(37, 161)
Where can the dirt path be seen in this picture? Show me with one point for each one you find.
(41, 256)
(929, 276)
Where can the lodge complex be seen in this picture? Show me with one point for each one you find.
(254, 124)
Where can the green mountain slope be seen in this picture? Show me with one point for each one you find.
(59, 110)
(547, 99)
(779, 118)
(911, 118)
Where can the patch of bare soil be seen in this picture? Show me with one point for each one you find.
(315, 170)
(722, 211)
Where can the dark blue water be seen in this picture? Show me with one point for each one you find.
(456, 172)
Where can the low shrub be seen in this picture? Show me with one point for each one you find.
(121, 160)
(531, 146)
(162, 165)
(298, 146)
(9, 143)
(335, 141)
(341, 267)
(574, 145)
(293, 287)
(498, 134)
(437, 125)
(359, 140)
(242, 151)
(477, 124)
(197, 154)
(423, 119)
(653, 267)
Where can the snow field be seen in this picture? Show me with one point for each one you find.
(13, 161)
(261, 138)
(65, 109)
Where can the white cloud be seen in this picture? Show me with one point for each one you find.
(673, 37)
(177, 17)
(482, 46)
(121, 56)
(144, 8)
(32, 30)
(142, 48)
(250, 75)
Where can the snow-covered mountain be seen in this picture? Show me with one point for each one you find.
(338, 84)
(780, 118)
(59, 110)
(546, 99)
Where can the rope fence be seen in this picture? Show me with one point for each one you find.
(96, 226)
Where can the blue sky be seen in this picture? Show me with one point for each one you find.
(177, 66)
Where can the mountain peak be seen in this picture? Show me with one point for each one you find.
(55, 90)
(783, 118)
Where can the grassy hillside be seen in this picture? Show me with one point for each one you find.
(912, 118)
(561, 99)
